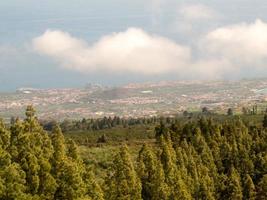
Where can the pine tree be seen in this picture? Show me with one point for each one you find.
(34, 153)
(28, 146)
(72, 150)
(12, 178)
(17, 130)
(204, 151)
(31, 123)
(262, 189)
(69, 180)
(264, 122)
(161, 130)
(123, 183)
(4, 136)
(230, 112)
(206, 188)
(249, 188)
(65, 170)
(152, 176)
(234, 188)
(14, 181)
(30, 165)
(58, 143)
(146, 170)
(160, 189)
(178, 189)
(92, 188)
(48, 183)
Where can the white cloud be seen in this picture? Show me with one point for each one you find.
(229, 51)
(133, 50)
(243, 43)
(197, 12)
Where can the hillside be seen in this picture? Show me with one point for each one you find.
(206, 156)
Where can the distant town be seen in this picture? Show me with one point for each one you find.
(137, 100)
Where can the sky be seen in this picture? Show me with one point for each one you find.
(69, 43)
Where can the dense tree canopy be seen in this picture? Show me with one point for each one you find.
(188, 159)
(37, 165)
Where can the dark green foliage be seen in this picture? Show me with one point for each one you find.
(99, 124)
(264, 122)
(234, 188)
(214, 160)
(152, 176)
(262, 188)
(230, 112)
(102, 139)
(92, 188)
(36, 165)
(205, 110)
(223, 157)
(249, 188)
(123, 182)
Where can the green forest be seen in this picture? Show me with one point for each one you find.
(203, 156)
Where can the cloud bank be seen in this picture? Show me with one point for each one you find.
(242, 48)
(244, 43)
(225, 51)
(133, 50)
